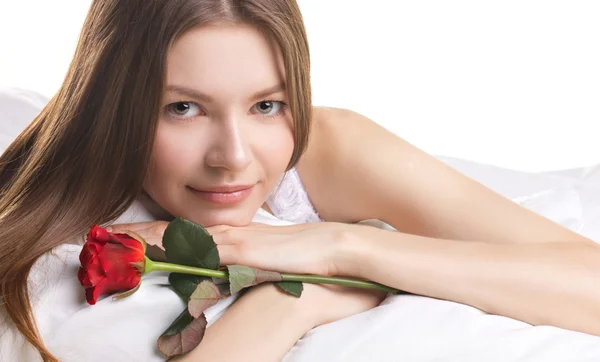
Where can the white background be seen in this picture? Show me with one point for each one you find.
(510, 83)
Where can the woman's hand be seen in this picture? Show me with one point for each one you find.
(314, 248)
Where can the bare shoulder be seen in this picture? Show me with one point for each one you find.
(333, 132)
(329, 121)
(330, 127)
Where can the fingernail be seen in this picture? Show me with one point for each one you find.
(109, 229)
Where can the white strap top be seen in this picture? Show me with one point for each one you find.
(289, 200)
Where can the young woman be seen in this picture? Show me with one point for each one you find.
(203, 106)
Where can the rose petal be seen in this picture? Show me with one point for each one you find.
(83, 277)
(91, 295)
(100, 235)
(128, 241)
(88, 254)
(95, 274)
(121, 285)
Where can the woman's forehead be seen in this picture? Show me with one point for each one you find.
(224, 59)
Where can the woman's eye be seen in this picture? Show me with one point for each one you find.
(268, 108)
(184, 109)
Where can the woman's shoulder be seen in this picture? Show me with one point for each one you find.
(328, 120)
(330, 130)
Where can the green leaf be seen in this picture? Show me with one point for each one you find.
(185, 284)
(293, 288)
(190, 244)
(205, 296)
(241, 277)
(155, 253)
(184, 334)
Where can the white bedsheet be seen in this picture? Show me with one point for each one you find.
(403, 328)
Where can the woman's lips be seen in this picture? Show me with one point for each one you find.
(225, 195)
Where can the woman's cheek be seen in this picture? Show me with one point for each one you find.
(276, 142)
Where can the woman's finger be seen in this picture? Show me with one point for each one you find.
(136, 236)
(136, 226)
(155, 228)
(228, 236)
(228, 255)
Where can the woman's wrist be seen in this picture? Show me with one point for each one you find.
(349, 251)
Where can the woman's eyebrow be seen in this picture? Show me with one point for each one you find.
(268, 91)
(195, 94)
(188, 92)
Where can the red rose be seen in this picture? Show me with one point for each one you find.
(110, 263)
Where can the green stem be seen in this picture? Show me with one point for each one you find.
(305, 278)
(183, 269)
(347, 282)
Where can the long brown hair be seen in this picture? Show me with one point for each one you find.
(82, 161)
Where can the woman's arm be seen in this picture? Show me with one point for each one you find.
(261, 326)
(475, 246)
(355, 170)
(553, 283)
(265, 323)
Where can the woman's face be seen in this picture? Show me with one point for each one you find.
(225, 132)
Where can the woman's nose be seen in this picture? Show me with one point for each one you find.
(229, 149)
